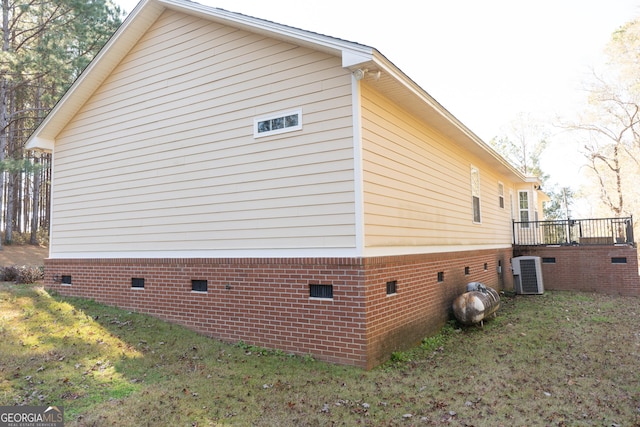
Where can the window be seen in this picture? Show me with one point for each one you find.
(619, 260)
(277, 123)
(321, 291)
(467, 271)
(137, 282)
(501, 195)
(199, 285)
(392, 287)
(511, 204)
(65, 280)
(523, 207)
(475, 194)
(441, 276)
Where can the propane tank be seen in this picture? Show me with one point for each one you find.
(475, 305)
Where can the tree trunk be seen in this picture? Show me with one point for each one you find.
(8, 231)
(36, 202)
(4, 99)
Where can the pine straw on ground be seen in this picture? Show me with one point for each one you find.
(23, 255)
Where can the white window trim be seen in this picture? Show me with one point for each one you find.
(528, 209)
(501, 194)
(513, 216)
(475, 192)
(282, 114)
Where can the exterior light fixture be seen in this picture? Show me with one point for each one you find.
(359, 74)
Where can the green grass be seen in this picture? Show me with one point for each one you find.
(556, 359)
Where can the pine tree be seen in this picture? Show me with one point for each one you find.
(45, 47)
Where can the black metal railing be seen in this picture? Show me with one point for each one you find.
(598, 231)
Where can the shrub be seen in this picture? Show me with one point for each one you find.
(10, 273)
(28, 274)
(21, 274)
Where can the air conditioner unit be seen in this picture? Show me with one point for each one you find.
(527, 275)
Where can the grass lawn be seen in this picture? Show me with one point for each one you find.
(559, 359)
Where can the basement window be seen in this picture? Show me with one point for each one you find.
(440, 276)
(277, 123)
(549, 260)
(467, 271)
(199, 285)
(65, 280)
(392, 287)
(321, 291)
(619, 260)
(137, 282)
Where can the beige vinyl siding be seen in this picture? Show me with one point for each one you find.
(162, 157)
(417, 185)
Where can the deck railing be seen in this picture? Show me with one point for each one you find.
(598, 231)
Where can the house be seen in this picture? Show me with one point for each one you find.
(263, 183)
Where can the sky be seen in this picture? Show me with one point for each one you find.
(488, 62)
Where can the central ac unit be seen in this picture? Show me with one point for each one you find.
(527, 275)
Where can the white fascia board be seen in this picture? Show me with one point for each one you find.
(111, 53)
(359, 52)
(143, 16)
(387, 67)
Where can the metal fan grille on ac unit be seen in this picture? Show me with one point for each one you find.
(529, 278)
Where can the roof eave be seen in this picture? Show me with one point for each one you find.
(37, 143)
(135, 25)
(351, 52)
(448, 124)
(127, 35)
(353, 56)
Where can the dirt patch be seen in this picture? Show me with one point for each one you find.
(23, 255)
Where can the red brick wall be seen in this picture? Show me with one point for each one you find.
(266, 302)
(588, 268)
(422, 305)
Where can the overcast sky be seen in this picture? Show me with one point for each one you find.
(486, 61)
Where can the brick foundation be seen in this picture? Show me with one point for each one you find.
(422, 305)
(588, 268)
(266, 302)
